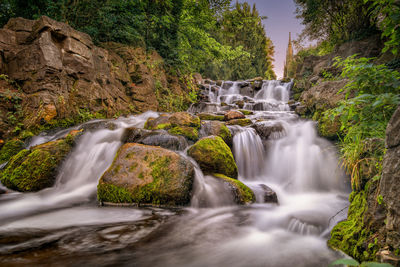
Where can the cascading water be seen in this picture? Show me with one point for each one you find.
(279, 152)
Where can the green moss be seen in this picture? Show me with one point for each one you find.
(113, 194)
(210, 117)
(240, 122)
(35, 169)
(352, 236)
(10, 149)
(225, 134)
(244, 194)
(188, 132)
(163, 126)
(246, 112)
(214, 156)
(328, 128)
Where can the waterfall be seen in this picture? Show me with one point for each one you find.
(279, 153)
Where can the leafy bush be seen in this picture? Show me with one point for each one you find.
(371, 97)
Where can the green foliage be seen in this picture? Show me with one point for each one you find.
(336, 21)
(371, 97)
(388, 12)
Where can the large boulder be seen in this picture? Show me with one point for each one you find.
(35, 169)
(266, 128)
(216, 128)
(214, 156)
(143, 174)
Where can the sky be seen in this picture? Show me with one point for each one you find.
(281, 20)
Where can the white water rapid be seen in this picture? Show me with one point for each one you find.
(280, 153)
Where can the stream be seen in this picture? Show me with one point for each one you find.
(64, 225)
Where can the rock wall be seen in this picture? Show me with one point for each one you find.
(389, 189)
(60, 74)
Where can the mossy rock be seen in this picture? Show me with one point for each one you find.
(10, 149)
(168, 121)
(210, 117)
(216, 128)
(214, 156)
(352, 235)
(242, 194)
(328, 128)
(35, 169)
(151, 175)
(188, 132)
(246, 112)
(240, 122)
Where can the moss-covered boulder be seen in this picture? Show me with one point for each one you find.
(179, 123)
(10, 149)
(240, 122)
(210, 117)
(214, 156)
(242, 194)
(216, 128)
(34, 169)
(143, 174)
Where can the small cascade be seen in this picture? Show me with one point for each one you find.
(78, 177)
(308, 163)
(248, 151)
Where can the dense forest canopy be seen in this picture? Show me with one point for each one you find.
(214, 37)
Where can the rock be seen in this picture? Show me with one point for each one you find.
(257, 85)
(269, 195)
(10, 149)
(184, 119)
(179, 123)
(266, 129)
(155, 138)
(190, 133)
(239, 103)
(242, 194)
(240, 122)
(233, 115)
(35, 169)
(147, 175)
(301, 110)
(390, 178)
(210, 117)
(247, 91)
(216, 128)
(242, 84)
(226, 85)
(63, 74)
(393, 130)
(214, 156)
(323, 95)
(167, 121)
(328, 128)
(219, 82)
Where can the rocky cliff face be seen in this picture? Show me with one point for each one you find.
(60, 74)
(389, 189)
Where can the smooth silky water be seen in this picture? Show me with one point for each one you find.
(64, 225)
